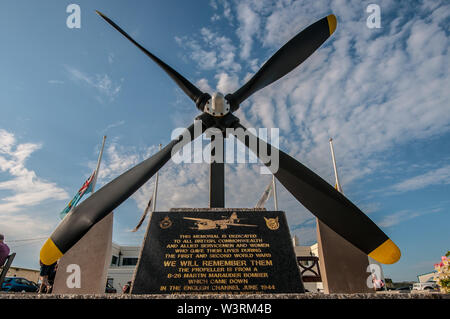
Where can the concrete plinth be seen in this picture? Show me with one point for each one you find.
(93, 254)
(183, 297)
(343, 267)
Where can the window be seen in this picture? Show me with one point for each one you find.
(114, 260)
(129, 261)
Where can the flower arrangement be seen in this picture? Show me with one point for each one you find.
(442, 276)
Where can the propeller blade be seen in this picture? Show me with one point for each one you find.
(191, 90)
(325, 202)
(293, 53)
(78, 222)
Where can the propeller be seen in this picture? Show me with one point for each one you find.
(319, 197)
(83, 217)
(325, 202)
(292, 54)
(190, 89)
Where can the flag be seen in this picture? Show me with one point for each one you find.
(143, 215)
(265, 196)
(86, 188)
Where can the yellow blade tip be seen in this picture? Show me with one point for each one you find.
(50, 253)
(99, 13)
(332, 22)
(386, 253)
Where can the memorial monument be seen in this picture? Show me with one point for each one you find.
(319, 197)
(225, 251)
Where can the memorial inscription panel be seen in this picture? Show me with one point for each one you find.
(223, 252)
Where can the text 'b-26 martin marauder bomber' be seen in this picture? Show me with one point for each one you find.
(206, 224)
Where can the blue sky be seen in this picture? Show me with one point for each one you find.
(382, 94)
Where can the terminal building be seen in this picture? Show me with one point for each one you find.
(123, 263)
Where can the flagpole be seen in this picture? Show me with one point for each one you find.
(275, 200)
(155, 190)
(98, 164)
(338, 185)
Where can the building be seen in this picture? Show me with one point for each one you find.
(123, 263)
(429, 276)
(30, 274)
(308, 261)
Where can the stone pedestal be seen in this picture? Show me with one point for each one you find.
(93, 255)
(343, 267)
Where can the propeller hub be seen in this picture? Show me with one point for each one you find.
(217, 106)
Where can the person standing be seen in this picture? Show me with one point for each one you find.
(46, 273)
(51, 277)
(4, 250)
(126, 289)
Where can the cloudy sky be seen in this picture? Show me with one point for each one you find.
(381, 93)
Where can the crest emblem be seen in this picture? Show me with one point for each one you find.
(272, 223)
(165, 223)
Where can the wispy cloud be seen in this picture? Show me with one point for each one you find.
(101, 82)
(203, 85)
(249, 26)
(434, 177)
(112, 125)
(118, 159)
(224, 7)
(226, 82)
(110, 58)
(404, 215)
(210, 50)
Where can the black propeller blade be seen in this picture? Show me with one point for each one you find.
(191, 90)
(105, 200)
(326, 203)
(293, 53)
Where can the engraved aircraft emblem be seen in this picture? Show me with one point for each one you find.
(207, 224)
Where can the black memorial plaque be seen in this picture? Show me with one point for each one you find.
(226, 252)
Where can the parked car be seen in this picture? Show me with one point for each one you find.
(404, 288)
(428, 285)
(19, 284)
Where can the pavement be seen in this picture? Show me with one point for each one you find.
(384, 295)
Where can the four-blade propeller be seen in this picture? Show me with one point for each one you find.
(319, 197)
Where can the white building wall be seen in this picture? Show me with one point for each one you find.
(120, 276)
(118, 273)
(426, 277)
